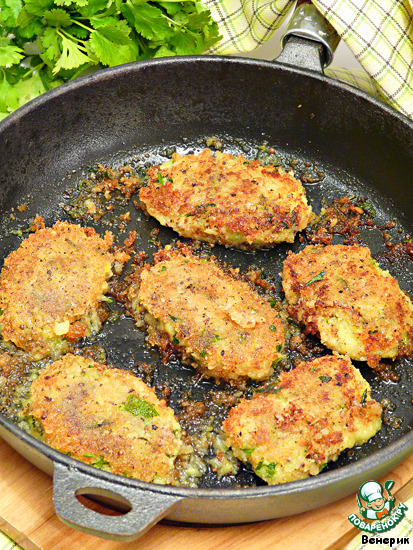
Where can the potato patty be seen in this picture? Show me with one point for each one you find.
(216, 322)
(106, 417)
(357, 308)
(51, 287)
(226, 199)
(321, 408)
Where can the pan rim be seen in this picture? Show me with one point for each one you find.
(112, 72)
(323, 480)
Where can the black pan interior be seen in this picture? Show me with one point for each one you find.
(134, 114)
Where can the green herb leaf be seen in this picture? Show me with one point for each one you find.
(161, 179)
(8, 99)
(9, 11)
(68, 37)
(78, 3)
(112, 46)
(114, 34)
(39, 7)
(318, 277)
(174, 319)
(273, 328)
(28, 25)
(369, 208)
(29, 88)
(325, 378)
(275, 363)
(140, 407)
(71, 56)
(171, 7)
(9, 54)
(98, 8)
(363, 398)
(248, 451)
(101, 463)
(148, 20)
(50, 43)
(57, 18)
(271, 468)
(98, 22)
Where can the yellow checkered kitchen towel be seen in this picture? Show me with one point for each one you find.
(379, 33)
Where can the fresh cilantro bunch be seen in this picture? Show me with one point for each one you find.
(44, 43)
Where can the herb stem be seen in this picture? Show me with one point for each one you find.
(33, 69)
(74, 39)
(77, 22)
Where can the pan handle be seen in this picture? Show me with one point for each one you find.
(309, 41)
(141, 508)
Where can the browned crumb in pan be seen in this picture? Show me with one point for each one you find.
(345, 216)
(106, 417)
(226, 199)
(216, 322)
(321, 408)
(340, 293)
(17, 372)
(102, 193)
(51, 288)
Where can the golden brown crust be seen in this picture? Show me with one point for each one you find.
(357, 308)
(51, 286)
(321, 408)
(215, 321)
(106, 417)
(226, 199)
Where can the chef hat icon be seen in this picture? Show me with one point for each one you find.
(371, 490)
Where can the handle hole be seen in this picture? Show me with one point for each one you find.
(103, 502)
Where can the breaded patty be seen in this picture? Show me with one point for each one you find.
(321, 408)
(51, 287)
(226, 199)
(340, 293)
(216, 322)
(106, 417)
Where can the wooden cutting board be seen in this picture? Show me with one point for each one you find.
(27, 516)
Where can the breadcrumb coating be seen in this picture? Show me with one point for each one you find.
(216, 322)
(106, 417)
(51, 287)
(319, 409)
(340, 293)
(226, 199)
